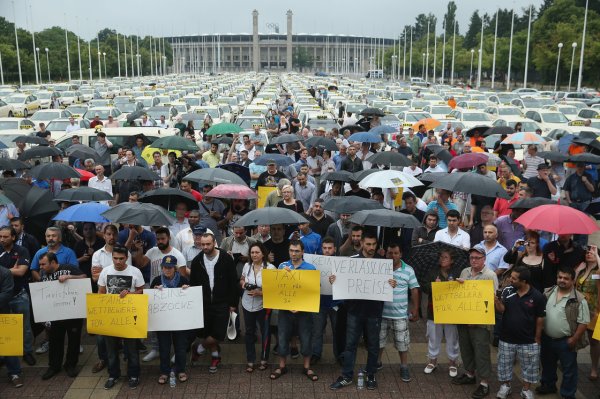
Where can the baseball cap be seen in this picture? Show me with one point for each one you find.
(169, 261)
(542, 166)
(478, 249)
(200, 229)
(271, 162)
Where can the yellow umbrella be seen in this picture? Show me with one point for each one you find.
(148, 151)
(429, 123)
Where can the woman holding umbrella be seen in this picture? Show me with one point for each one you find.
(252, 304)
(435, 332)
(531, 257)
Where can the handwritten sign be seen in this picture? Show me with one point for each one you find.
(175, 309)
(362, 278)
(108, 314)
(596, 334)
(323, 264)
(471, 302)
(53, 300)
(11, 335)
(262, 193)
(291, 290)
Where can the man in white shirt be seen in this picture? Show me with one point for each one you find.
(146, 121)
(181, 222)
(163, 123)
(72, 126)
(185, 237)
(413, 169)
(100, 181)
(452, 234)
(433, 165)
(111, 122)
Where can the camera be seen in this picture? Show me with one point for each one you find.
(250, 287)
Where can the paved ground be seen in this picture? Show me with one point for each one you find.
(231, 381)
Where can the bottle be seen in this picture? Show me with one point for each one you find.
(360, 384)
(172, 380)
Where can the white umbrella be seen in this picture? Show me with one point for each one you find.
(389, 179)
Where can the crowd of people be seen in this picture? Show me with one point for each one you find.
(546, 287)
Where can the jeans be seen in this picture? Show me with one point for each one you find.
(133, 357)
(20, 305)
(251, 319)
(179, 339)
(554, 350)
(356, 326)
(102, 353)
(13, 366)
(319, 326)
(286, 327)
(72, 328)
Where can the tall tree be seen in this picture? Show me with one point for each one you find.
(473, 31)
(450, 17)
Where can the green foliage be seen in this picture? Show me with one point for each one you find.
(302, 58)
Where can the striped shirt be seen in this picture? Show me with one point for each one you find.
(532, 164)
(405, 280)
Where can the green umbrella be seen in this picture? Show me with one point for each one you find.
(175, 143)
(223, 128)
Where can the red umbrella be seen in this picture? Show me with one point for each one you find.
(468, 161)
(232, 191)
(85, 175)
(558, 219)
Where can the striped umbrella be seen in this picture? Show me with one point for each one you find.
(524, 138)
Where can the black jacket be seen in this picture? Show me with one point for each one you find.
(6, 289)
(226, 289)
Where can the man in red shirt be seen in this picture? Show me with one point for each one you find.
(95, 122)
(501, 206)
(187, 187)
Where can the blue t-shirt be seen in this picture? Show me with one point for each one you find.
(443, 223)
(63, 255)
(303, 266)
(405, 280)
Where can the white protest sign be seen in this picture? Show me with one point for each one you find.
(175, 309)
(53, 300)
(362, 278)
(323, 264)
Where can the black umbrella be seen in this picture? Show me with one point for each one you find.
(352, 129)
(553, 156)
(214, 175)
(482, 129)
(372, 111)
(385, 218)
(83, 194)
(131, 140)
(139, 213)
(389, 158)
(321, 142)
(430, 177)
(270, 215)
(38, 201)
(39, 152)
(530, 203)
(514, 167)
(222, 140)
(342, 175)
(134, 173)
(440, 152)
(424, 258)
(135, 115)
(471, 183)
(279, 159)
(81, 151)
(498, 130)
(358, 176)
(584, 157)
(30, 140)
(15, 189)
(54, 170)
(238, 170)
(286, 138)
(168, 198)
(350, 204)
(10, 164)
(585, 137)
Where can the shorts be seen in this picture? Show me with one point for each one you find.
(216, 319)
(401, 334)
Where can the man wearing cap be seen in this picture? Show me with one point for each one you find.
(193, 249)
(474, 339)
(96, 121)
(543, 184)
(271, 176)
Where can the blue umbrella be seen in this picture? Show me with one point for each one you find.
(383, 129)
(365, 137)
(280, 160)
(87, 212)
(239, 170)
(564, 142)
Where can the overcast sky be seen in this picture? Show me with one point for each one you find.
(384, 18)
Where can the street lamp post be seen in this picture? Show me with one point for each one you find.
(1, 71)
(100, 65)
(39, 68)
(574, 45)
(105, 73)
(560, 45)
(423, 72)
(48, 63)
(471, 72)
(580, 78)
(394, 58)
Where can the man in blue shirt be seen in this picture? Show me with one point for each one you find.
(442, 205)
(64, 255)
(287, 319)
(310, 239)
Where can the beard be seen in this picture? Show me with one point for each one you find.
(162, 246)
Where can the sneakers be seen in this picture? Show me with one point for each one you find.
(504, 391)
(197, 353)
(133, 382)
(153, 354)
(371, 382)
(44, 347)
(29, 359)
(16, 381)
(98, 367)
(464, 380)
(49, 373)
(405, 374)
(481, 392)
(341, 382)
(527, 394)
(111, 382)
(214, 364)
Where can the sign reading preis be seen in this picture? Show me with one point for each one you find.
(291, 290)
(470, 302)
(108, 314)
(362, 278)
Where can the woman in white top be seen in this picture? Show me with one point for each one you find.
(252, 304)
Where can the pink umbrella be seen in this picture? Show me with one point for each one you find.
(232, 191)
(558, 219)
(468, 161)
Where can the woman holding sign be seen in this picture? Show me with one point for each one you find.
(252, 304)
(170, 278)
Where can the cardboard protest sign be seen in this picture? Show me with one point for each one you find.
(362, 278)
(323, 264)
(471, 302)
(53, 300)
(291, 290)
(175, 309)
(11, 335)
(108, 314)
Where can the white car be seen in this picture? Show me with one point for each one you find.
(60, 125)
(498, 111)
(70, 97)
(527, 124)
(45, 98)
(438, 111)
(6, 110)
(471, 118)
(548, 120)
(22, 124)
(24, 104)
(471, 105)
(103, 112)
(567, 110)
(46, 115)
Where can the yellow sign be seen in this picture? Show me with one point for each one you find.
(471, 302)
(398, 199)
(596, 335)
(263, 193)
(11, 335)
(108, 314)
(292, 290)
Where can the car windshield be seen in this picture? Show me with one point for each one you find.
(102, 113)
(416, 116)
(56, 126)
(127, 107)
(68, 94)
(509, 111)
(530, 126)
(146, 101)
(45, 116)
(554, 118)
(506, 98)
(531, 103)
(15, 100)
(9, 125)
(44, 96)
(568, 110)
(193, 102)
(214, 113)
(395, 109)
(77, 110)
(8, 139)
(249, 123)
(418, 104)
(441, 109)
(475, 116)
(156, 113)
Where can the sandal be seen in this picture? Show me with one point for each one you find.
(278, 372)
(310, 374)
(263, 366)
(182, 377)
(249, 367)
(162, 380)
(430, 368)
